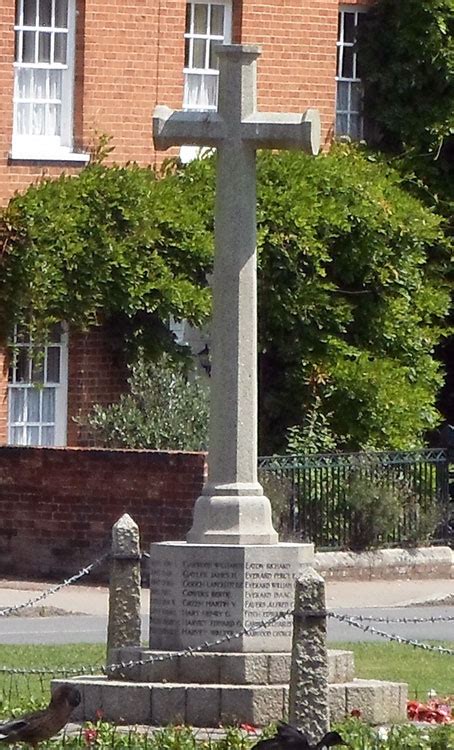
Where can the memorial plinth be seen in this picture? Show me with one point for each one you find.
(200, 593)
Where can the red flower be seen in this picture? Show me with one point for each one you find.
(356, 713)
(249, 728)
(90, 735)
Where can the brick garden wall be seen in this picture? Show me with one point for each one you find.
(58, 505)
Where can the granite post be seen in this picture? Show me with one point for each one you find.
(308, 697)
(124, 622)
(232, 508)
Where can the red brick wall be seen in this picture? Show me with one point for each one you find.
(130, 57)
(58, 505)
(97, 374)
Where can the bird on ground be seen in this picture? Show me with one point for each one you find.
(38, 726)
(288, 737)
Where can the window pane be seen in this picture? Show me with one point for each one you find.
(53, 121)
(53, 364)
(39, 119)
(187, 24)
(44, 47)
(217, 20)
(47, 436)
(22, 366)
(60, 48)
(32, 434)
(38, 366)
(347, 63)
(23, 83)
(45, 12)
(17, 404)
(29, 12)
(355, 97)
(349, 27)
(342, 95)
(55, 81)
(213, 62)
(341, 125)
(187, 47)
(200, 19)
(17, 436)
(55, 331)
(39, 87)
(61, 14)
(22, 124)
(48, 414)
(198, 54)
(18, 12)
(28, 46)
(17, 50)
(32, 400)
(201, 91)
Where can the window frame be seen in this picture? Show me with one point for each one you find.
(57, 147)
(191, 35)
(60, 389)
(355, 80)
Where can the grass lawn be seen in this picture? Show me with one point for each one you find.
(422, 670)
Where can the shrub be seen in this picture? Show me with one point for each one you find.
(166, 409)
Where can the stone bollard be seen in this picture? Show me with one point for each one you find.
(308, 699)
(124, 591)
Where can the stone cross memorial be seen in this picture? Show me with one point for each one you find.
(231, 572)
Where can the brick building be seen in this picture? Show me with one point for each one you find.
(71, 69)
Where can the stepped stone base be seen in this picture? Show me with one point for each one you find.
(208, 689)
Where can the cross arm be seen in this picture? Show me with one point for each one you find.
(283, 130)
(177, 128)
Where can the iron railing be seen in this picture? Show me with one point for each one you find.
(340, 500)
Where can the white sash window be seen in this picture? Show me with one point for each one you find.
(37, 390)
(207, 24)
(43, 78)
(349, 117)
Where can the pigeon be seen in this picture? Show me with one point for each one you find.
(288, 737)
(38, 726)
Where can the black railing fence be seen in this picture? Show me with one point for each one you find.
(361, 500)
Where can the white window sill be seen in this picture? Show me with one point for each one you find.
(59, 155)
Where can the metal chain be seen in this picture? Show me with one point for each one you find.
(391, 636)
(405, 620)
(31, 602)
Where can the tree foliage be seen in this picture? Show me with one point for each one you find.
(113, 242)
(352, 291)
(407, 63)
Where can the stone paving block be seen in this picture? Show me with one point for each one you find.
(341, 666)
(158, 671)
(203, 706)
(258, 704)
(168, 704)
(243, 669)
(377, 700)
(126, 702)
(122, 656)
(92, 696)
(337, 698)
(199, 668)
(278, 669)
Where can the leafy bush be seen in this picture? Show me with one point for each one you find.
(352, 282)
(377, 503)
(167, 409)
